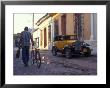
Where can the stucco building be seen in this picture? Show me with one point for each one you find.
(52, 24)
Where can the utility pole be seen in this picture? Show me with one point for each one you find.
(33, 23)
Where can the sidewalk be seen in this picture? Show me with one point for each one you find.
(94, 52)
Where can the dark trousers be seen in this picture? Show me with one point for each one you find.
(25, 54)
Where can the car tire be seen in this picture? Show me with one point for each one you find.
(68, 53)
(54, 51)
(88, 54)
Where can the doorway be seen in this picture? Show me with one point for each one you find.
(45, 37)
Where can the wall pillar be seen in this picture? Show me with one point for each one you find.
(52, 34)
(92, 26)
(52, 31)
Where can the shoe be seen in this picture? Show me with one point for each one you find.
(26, 65)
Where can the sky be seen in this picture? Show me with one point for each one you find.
(22, 20)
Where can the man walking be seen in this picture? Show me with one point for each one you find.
(25, 45)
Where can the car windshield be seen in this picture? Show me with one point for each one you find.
(67, 37)
(71, 37)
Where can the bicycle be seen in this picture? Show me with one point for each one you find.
(36, 58)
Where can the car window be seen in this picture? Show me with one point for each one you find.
(56, 38)
(60, 38)
(70, 37)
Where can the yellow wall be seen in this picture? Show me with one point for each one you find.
(69, 24)
(58, 18)
(42, 26)
(59, 31)
(87, 29)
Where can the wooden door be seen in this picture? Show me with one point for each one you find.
(63, 24)
(45, 37)
(41, 39)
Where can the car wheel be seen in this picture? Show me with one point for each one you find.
(68, 54)
(88, 53)
(54, 52)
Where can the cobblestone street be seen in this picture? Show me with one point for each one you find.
(57, 65)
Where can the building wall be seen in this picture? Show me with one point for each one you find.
(60, 33)
(57, 17)
(95, 26)
(87, 29)
(93, 33)
(36, 34)
(42, 26)
(69, 24)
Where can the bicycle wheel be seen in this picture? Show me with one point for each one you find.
(33, 56)
(37, 59)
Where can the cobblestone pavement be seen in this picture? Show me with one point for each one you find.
(57, 65)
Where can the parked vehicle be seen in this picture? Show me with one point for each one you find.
(70, 45)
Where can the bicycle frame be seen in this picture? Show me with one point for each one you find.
(36, 58)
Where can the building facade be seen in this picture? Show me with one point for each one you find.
(41, 35)
(53, 24)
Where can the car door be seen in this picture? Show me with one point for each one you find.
(60, 40)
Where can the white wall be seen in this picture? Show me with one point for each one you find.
(93, 38)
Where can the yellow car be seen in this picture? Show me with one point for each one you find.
(70, 45)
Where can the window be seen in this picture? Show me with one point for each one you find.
(63, 24)
(45, 37)
(36, 42)
(41, 37)
(78, 29)
(71, 37)
(49, 33)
